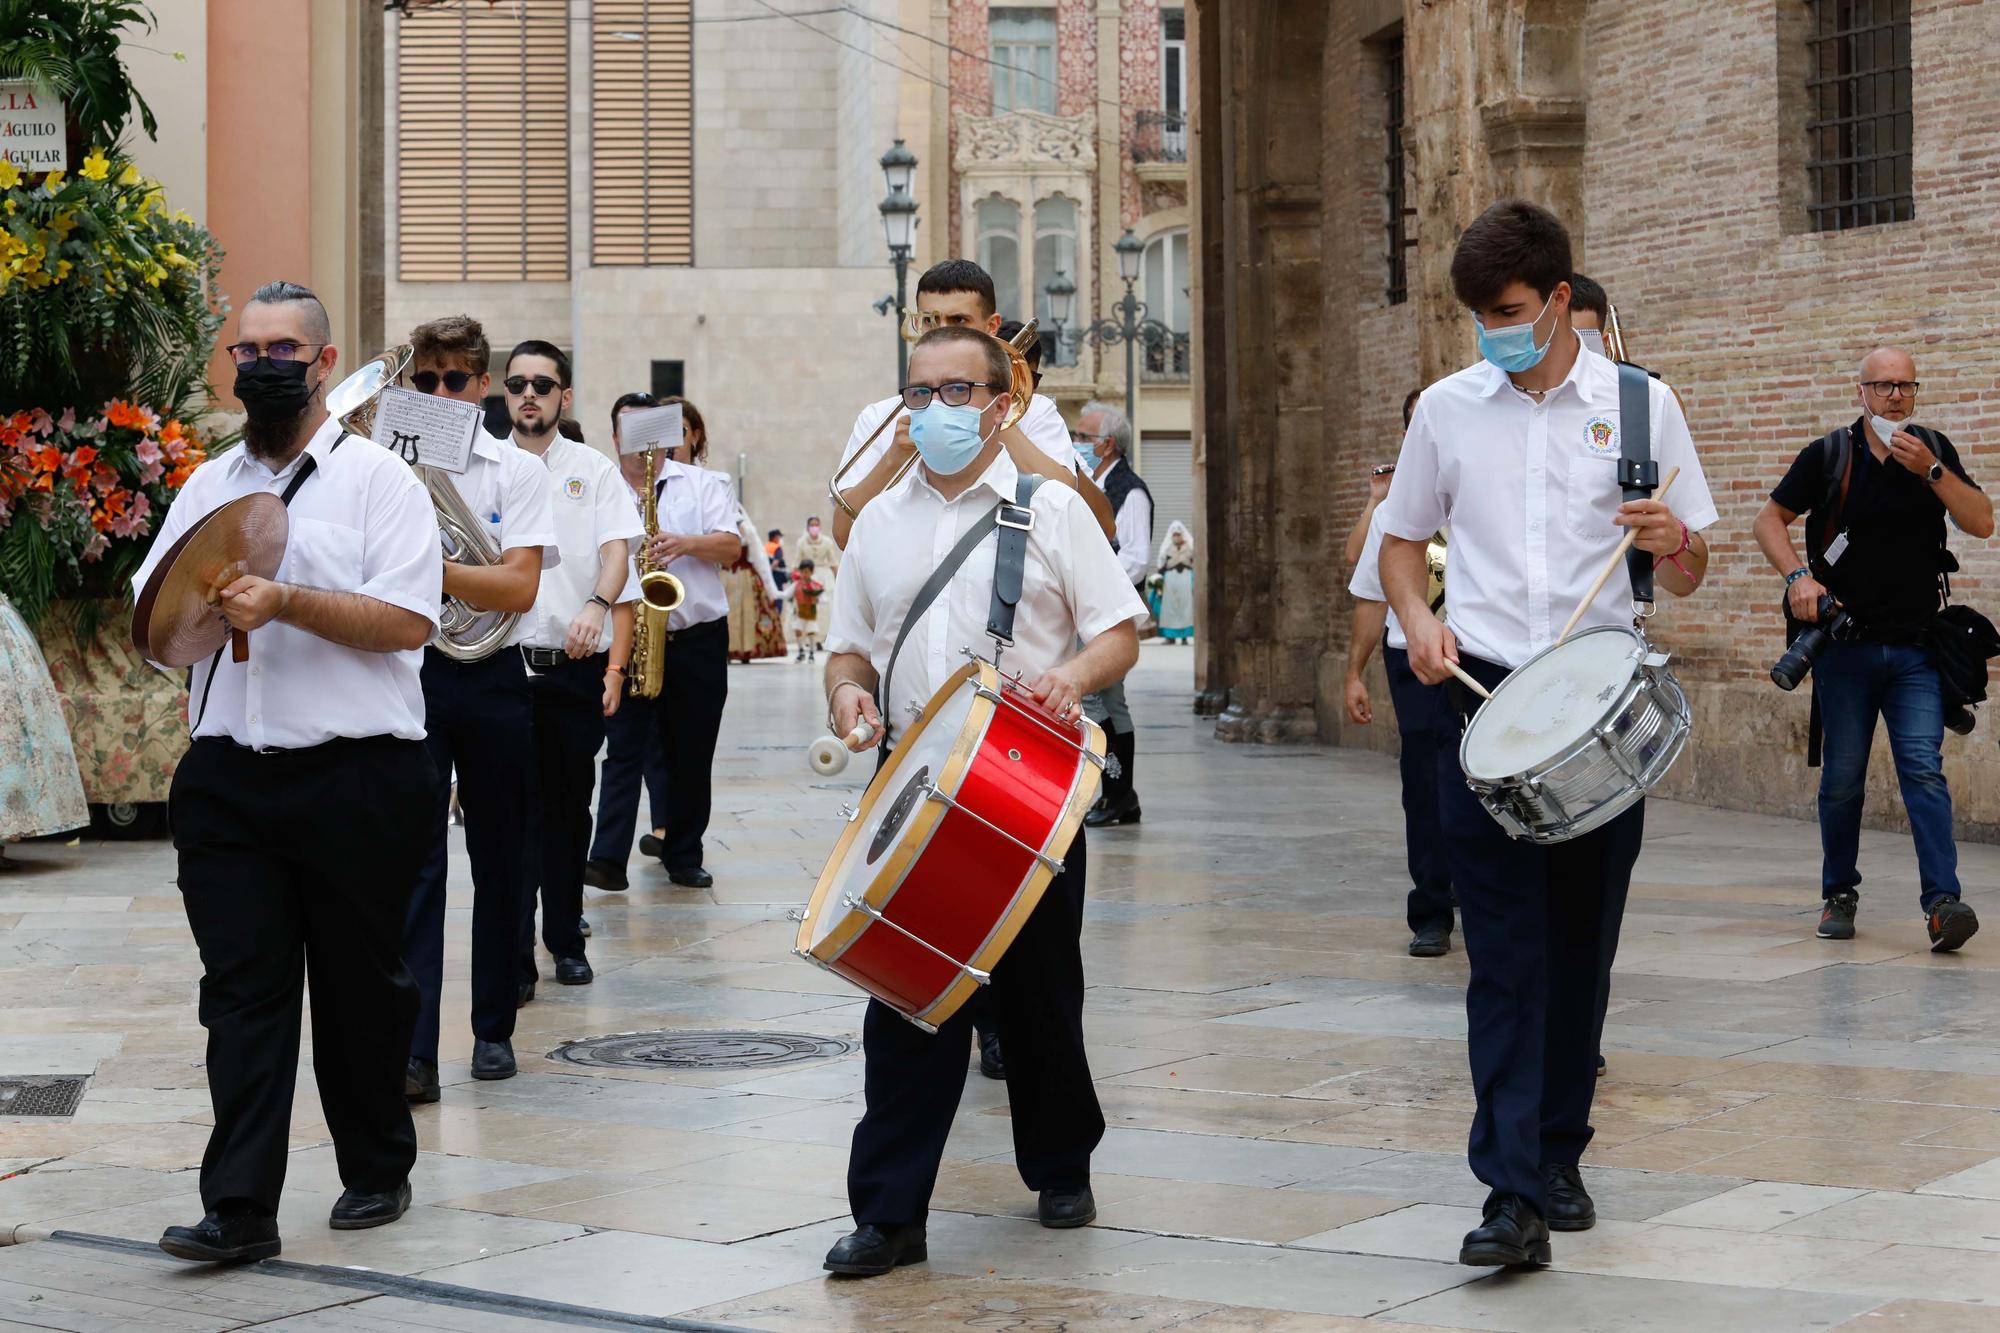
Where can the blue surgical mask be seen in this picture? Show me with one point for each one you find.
(1513, 348)
(1087, 451)
(947, 437)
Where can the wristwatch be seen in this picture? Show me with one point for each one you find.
(1936, 474)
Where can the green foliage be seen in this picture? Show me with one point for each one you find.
(72, 47)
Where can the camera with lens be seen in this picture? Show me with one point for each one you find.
(1810, 641)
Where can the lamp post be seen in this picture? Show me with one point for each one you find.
(1062, 303)
(899, 226)
(1132, 327)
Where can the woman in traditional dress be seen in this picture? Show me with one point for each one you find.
(1176, 614)
(40, 788)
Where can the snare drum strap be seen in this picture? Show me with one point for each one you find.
(1638, 473)
(1015, 521)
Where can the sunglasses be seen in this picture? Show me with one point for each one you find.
(245, 354)
(426, 381)
(518, 385)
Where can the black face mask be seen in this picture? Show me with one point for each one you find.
(273, 391)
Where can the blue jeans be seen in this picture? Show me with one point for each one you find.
(1854, 682)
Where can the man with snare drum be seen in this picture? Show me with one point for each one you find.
(1072, 591)
(1520, 455)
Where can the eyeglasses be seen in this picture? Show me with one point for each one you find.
(518, 385)
(1893, 388)
(426, 381)
(955, 393)
(284, 349)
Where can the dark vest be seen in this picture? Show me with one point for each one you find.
(1120, 482)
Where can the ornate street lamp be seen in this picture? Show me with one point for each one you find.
(1132, 327)
(899, 227)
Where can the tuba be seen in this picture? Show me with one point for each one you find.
(465, 633)
(1021, 385)
(659, 593)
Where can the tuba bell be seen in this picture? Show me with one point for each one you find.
(465, 632)
(1020, 384)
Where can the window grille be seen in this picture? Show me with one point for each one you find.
(1858, 126)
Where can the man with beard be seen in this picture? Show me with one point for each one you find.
(283, 872)
(579, 639)
(482, 722)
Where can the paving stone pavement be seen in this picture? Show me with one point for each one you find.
(1793, 1134)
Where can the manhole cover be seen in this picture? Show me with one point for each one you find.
(700, 1050)
(41, 1094)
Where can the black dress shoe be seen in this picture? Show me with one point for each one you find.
(1570, 1206)
(990, 1063)
(492, 1059)
(524, 992)
(650, 845)
(1060, 1209)
(238, 1238)
(355, 1211)
(1513, 1236)
(872, 1251)
(606, 875)
(1431, 942)
(420, 1080)
(1122, 811)
(574, 971)
(691, 877)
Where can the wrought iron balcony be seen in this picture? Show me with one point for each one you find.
(1159, 136)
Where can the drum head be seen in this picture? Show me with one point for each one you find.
(894, 801)
(1552, 702)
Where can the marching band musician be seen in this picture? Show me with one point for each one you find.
(698, 538)
(283, 873)
(1073, 590)
(632, 734)
(1520, 454)
(481, 721)
(955, 293)
(579, 641)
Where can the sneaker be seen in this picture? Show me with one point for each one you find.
(1951, 923)
(1836, 919)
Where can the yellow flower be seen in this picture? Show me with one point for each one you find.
(10, 175)
(96, 166)
(64, 223)
(63, 266)
(53, 182)
(10, 208)
(129, 176)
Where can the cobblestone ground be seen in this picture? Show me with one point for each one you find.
(1793, 1134)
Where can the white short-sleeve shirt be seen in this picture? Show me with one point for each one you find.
(1042, 424)
(506, 490)
(695, 502)
(1072, 588)
(361, 523)
(1529, 491)
(1367, 581)
(591, 505)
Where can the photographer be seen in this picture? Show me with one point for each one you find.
(1877, 492)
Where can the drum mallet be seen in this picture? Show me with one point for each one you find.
(1631, 535)
(828, 754)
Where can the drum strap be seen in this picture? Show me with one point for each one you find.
(1014, 521)
(307, 466)
(1638, 473)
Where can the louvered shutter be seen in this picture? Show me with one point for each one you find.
(482, 139)
(642, 132)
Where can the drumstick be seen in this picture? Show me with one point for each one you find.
(1631, 535)
(1465, 679)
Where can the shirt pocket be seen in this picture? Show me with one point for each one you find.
(319, 554)
(1594, 497)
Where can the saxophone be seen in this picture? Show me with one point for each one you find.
(659, 593)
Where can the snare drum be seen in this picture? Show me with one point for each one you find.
(952, 846)
(1576, 736)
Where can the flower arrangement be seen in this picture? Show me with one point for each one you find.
(80, 498)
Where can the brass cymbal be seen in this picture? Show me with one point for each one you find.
(176, 622)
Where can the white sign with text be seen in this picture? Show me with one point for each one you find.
(643, 428)
(426, 428)
(31, 128)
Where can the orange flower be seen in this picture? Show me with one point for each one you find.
(121, 413)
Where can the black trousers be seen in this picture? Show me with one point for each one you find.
(1425, 726)
(288, 877)
(631, 753)
(480, 720)
(914, 1079)
(689, 718)
(569, 731)
(1541, 931)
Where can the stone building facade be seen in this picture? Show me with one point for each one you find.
(1678, 143)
